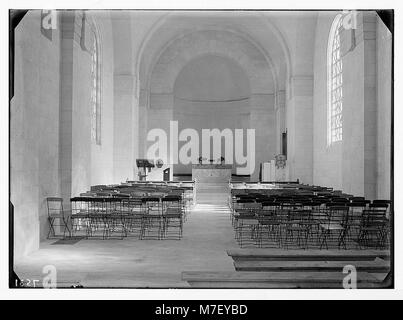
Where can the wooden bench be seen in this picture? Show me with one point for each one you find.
(375, 266)
(306, 255)
(292, 280)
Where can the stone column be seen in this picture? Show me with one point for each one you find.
(358, 49)
(370, 105)
(300, 129)
(75, 97)
(280, 118)
(263, 120)
(142, 122)
(159, 115)
(66, 97)
(123, 127)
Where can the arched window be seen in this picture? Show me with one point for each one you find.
(334, 84)
(95, 89)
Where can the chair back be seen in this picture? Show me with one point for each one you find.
(379, 205)
(299, 216)
(252, 206)
(338, 215)
(54, 205)
(374, 218)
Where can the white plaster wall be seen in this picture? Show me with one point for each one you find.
(327, 161)
(299, 128)
(384, 84)
(102, 155)
(340, 165)
(123, 161)
(213, 92)
(34, 136)
(300, 31)
(36, 152)
(214, 79)
(359, 117)
(263, 120)
(81, 122)
(360, 164)
(199, 115)
(125, 142)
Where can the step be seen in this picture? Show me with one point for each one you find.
(378, 266)
(324, 255)
(233, 279)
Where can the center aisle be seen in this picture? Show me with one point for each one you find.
(212, 193)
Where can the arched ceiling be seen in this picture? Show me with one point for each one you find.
(220, 43)
(253, 29)
(211, 78)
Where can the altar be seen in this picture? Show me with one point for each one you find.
(211, 173)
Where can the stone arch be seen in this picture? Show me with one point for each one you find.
(259, 48)
(211, 91)
(222, 43)
(165, 28)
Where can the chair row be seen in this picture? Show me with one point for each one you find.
(322, 227)
(93, 217)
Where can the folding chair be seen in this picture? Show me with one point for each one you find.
(318, 214)
(246, 228)
(336, 223)
(172, 223)
(381, 204)
(298, 228)
(268, 229)
(171, 201)
(132, 217)
(96, 225)
(57, 213)
(79, 219)
(153, 227)
(355, 219)
(113, 218)
(374, 228)
(152, 204)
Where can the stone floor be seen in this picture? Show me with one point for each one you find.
(140, 263)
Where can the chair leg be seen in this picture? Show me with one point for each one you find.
(324, 240)
(66, 228)
(307, 233)
(51, 228)
(341, 239)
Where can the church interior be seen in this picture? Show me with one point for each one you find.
(201, 149)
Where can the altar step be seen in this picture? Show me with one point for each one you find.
(212, 193)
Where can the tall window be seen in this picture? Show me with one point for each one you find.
(335, 84)
(95, 91)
